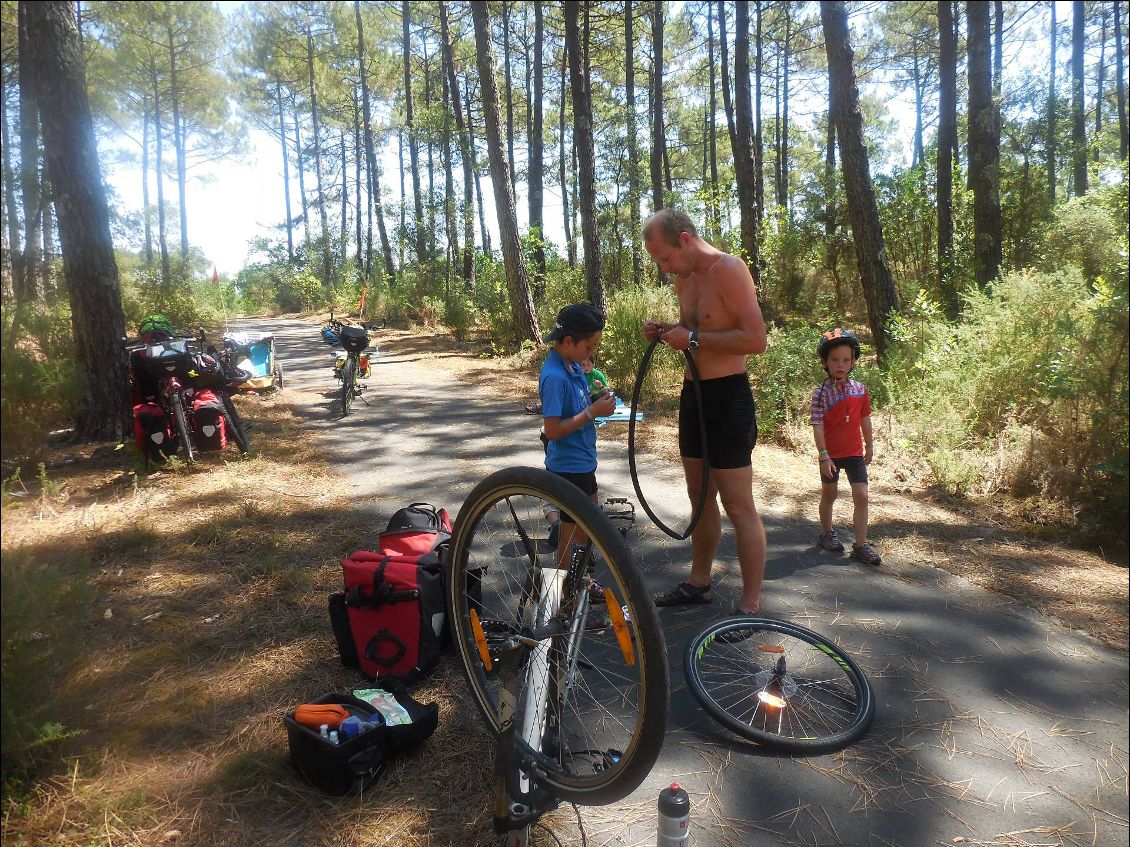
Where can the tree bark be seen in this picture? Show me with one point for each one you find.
(875, 274)
(1078, 116)
(535, 175)
(509, 90)
(657, 131)
(323, 215)
(102, 411)
(449, 177)
(518, 286)
(744, 165)
(410, 127)
(27, 284)
(984, 147)
(159, 168)
(478, 179)
(1051, 139)
(11, 207)
(570, 242)
(633, 149)
(286, 172)
(586, 157)
(783, 170)
(1120, 84)
(758, 144)
(372, 164)
(178, 148)
(299, 165)
(947, 138)
(713, 214)
(466, 153)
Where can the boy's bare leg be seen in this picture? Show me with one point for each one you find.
(735, 486)
(568, 535)
(828, 493)
(859, 516)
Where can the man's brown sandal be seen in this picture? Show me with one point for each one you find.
(683, 594)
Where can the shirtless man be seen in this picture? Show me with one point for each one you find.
(720, 322)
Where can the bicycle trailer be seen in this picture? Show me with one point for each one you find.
(254, 352)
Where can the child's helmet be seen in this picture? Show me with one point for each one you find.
(835, 338)
(156, 328)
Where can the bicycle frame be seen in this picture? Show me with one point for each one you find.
(519, 798)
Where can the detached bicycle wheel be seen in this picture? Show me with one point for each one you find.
(779, 684)
(593, 668)
(347, 371)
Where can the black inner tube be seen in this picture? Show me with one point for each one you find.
(640, 374)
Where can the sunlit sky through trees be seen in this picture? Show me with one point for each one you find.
(235, 201)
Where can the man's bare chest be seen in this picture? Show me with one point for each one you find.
(702, 307)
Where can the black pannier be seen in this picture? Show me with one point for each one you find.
(168, 358)
(354, 338)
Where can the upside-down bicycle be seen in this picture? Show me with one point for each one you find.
(567, 664)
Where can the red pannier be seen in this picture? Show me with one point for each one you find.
(390, 619)
(153, 432)
(210, 424)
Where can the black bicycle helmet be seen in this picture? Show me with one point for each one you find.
(835, 338)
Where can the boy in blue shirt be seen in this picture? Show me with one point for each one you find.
(569, 418)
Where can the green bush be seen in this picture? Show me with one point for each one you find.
(1039, 353)
(623, 345)
(1087, 235)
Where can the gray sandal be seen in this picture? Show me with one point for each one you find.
(684, 594)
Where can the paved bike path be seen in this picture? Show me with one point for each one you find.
(993, 724)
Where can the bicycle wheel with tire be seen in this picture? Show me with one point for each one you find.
(235, 424)
(779, 684)
(347, 376)
(603, 664)
(184, 435)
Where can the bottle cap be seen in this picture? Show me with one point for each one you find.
(674, 802)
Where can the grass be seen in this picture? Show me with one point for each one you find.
(155, 631)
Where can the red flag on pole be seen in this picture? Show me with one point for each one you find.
(215, 276)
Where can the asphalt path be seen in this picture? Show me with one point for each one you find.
(994, 725)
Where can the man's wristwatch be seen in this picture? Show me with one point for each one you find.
(693, 344)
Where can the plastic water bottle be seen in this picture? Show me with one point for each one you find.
(674, 817)
(324, 729)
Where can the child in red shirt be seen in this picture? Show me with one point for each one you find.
(841, 425)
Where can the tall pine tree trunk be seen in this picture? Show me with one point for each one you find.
(178, 148)
(570, 242)
(535, 176)
(1078, 115)
(300, 167)
(27, 283)
(875, 275)
(1051, 136)
(713, 215)
(372, 164)
(744, 165)
(159, 167)
(633, 148)
(1120, 84)
(286, 172)
(586, 157)
(984, 147)
(517, 284)
(323, 215)
(467, 209)
(658, 137)
(146, 213)
(410, 128)
(102, 411)
(947, 138)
